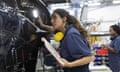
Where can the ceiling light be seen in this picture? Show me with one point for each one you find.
(35, 13)
(116, 1)
(94, 4)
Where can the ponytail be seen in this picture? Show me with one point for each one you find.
(73, 20)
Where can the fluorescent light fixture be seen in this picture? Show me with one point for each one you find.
(86, 3)
(90, 1)
(81, 5)
(116, 1)
(35, 13)
(62, 5)
(94, 4)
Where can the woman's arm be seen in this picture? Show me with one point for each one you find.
(79, 62)
(112, 50)
(46, 27)
(109, 48)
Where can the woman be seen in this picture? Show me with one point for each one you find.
(75, 50)
(114, 48)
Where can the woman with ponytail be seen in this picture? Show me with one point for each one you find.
(75, 49)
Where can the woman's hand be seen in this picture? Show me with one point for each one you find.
(76, 63)
(44, 26)
(105, 46)
(43, 39)
(109, 48)
(65, 63)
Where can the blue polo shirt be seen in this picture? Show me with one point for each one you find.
(114, 58)
(74, 47)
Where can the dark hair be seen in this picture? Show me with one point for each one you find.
(116, 28)
(72, 20)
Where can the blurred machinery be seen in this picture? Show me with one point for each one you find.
(20, 35)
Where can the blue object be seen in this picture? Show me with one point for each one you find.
(74, 47)
(114, 58)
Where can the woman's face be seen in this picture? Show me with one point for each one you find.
(57, 22)
(112, 32)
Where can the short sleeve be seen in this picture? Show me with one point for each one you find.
(117, 45)
(77, 46)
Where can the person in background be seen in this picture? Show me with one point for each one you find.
(114, 48)
(75, 50)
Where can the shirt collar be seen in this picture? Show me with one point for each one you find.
(114, 37)
(67, 29)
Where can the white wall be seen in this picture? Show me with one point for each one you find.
(106, 13)
(110, 13)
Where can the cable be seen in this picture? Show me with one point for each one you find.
(42, 3)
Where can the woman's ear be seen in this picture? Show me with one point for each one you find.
(64, 19)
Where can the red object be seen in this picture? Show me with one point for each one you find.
(102, 52)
